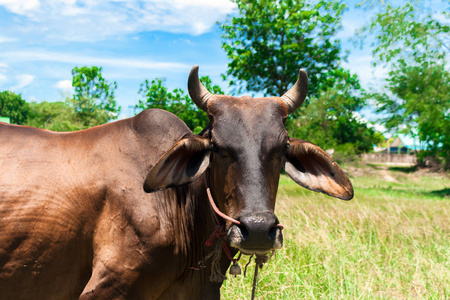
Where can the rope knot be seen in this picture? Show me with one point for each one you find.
(217, 234)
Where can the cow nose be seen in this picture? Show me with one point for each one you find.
(257, 233)
(258, 225)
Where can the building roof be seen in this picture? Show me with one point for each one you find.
(403, 140)
(5, 119)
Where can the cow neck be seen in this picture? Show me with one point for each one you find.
(189, 221)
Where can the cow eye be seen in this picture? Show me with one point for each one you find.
(221, 152)
(215, 149)
(288, 146)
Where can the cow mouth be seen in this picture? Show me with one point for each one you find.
(258, 243)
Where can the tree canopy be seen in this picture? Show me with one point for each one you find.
(156, 95)
(407, 33)
(93, 103)
(94, 100)
(14, 107)
(269, 41)
(56, 116)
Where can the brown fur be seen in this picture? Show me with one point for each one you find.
(76, 221)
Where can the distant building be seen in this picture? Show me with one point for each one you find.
(403, 144)
(5, 120)
(397, 146)
(399, 150)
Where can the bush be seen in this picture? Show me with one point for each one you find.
(429, 159)
(345, 153)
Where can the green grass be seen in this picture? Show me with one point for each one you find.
(392, 241)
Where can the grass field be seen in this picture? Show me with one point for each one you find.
(392, 241)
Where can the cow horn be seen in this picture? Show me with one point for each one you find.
(199, 94)
(297, 93)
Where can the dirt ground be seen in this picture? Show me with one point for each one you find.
(388, 172)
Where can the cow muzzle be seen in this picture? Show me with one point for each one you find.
(257, 233)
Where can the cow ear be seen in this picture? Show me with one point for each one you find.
(183, 163)
(312, 168)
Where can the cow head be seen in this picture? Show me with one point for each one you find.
(245, 147)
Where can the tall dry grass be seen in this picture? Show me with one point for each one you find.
(392, 241)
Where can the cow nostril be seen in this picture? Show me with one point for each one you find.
(273, 233)
(244, 231)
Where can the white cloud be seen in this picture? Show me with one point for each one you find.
(3, 68)
(441, 17)
(65, 85)
(349, 28)
(21, 7)
(23, 80)
(87, 20)
(365, 116)
(369, 75)
(6, 39)
(71, 58)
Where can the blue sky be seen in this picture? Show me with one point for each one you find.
(133, 40)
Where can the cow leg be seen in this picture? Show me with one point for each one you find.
(116, 259)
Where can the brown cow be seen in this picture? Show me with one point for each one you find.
(75, 220)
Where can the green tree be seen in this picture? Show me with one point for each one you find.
(156, 95)
(413, 42)
(13, 106)
(407, 34)
(56, 116)
(269, 41)
(93, 101)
